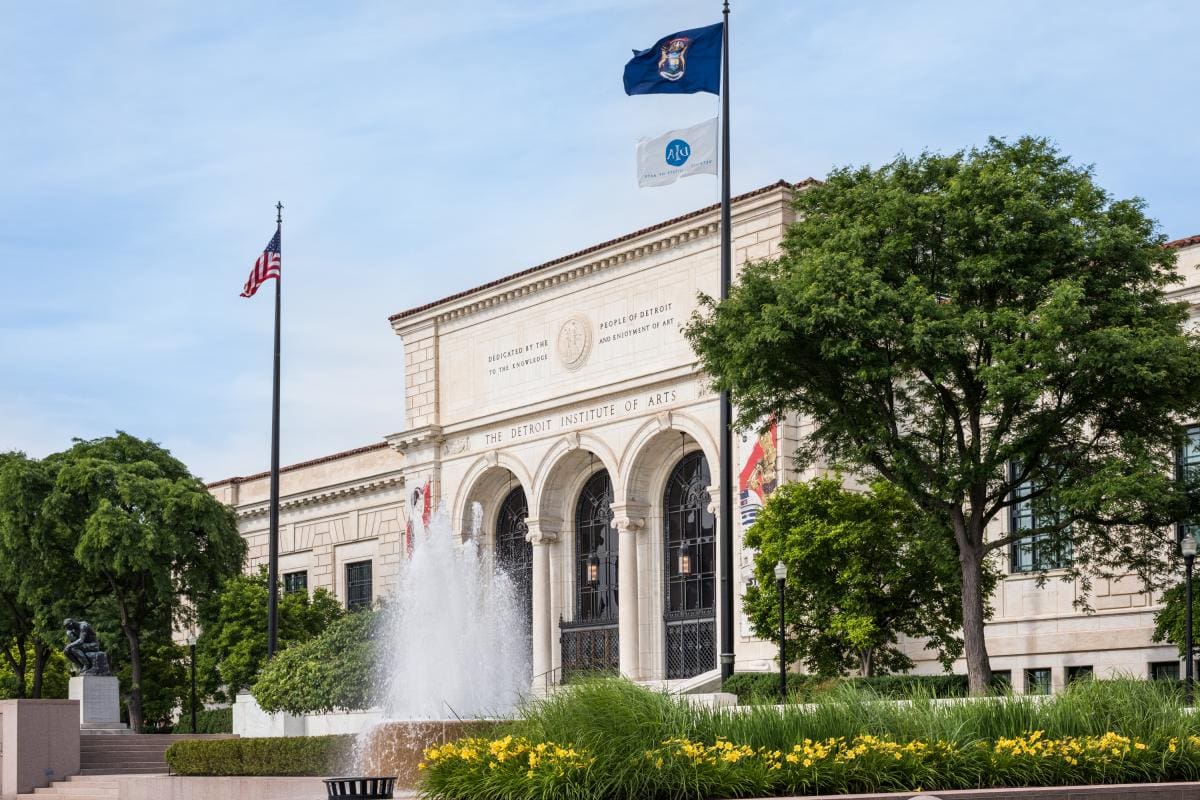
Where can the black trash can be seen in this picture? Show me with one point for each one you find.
(377, 788)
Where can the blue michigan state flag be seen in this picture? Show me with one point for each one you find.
(682, 63)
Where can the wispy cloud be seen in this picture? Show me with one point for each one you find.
(421, 149)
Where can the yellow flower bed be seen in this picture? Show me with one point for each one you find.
(534, 759)
(519, 768)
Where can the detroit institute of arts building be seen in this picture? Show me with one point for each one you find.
(566, 403)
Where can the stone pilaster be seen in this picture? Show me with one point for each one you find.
(542, 533)
(628, 519)
(422, 449)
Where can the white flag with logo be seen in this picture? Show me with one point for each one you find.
(677, 154)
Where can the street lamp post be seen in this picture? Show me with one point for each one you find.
(192, 647)
(1188, 547)
(780, 580)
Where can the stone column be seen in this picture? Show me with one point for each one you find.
(628, 521)
(542, 533)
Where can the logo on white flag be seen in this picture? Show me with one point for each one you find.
(677, 154)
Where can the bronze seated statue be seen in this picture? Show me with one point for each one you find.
(83, 649)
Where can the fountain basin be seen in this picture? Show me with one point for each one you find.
(396, 747)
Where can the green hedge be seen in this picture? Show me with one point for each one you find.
(208, 720)
(283, 756)
(331, 672)
(764, 686)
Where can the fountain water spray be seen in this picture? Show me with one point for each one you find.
(455, 642)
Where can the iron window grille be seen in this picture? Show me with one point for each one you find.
(1164, 670)
(514, 554)
(1079, 673)
(295, 582)
(1045, 550)
(596, 590)
(689, 567)
(1037, 680)
(1187, 468)
(358, 585)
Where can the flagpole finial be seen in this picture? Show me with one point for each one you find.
(725, 10)
(279, 212)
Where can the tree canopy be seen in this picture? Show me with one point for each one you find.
(232, 649)
(140, 533)
(863, 567)
(979, 329)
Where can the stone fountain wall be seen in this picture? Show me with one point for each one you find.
(396, 748)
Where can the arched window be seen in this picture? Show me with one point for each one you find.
(689, 538)
(595, 552)
(514, 554)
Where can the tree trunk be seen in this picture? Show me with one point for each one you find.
(979, 669)
(17, 663)
(41, 656)
(134, 701)
(866, 664)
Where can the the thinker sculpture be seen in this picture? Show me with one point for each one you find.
(83, 649)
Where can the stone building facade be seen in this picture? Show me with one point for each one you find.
(560, 414)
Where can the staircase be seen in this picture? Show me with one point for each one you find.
(130, 754)
(78, 787)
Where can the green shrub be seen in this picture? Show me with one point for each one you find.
(208, 720)
(276, 756)
(752, 687)
(613, 739)
(334, 671)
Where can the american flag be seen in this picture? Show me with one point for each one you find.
(265, 268)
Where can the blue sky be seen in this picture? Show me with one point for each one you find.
(423, 148)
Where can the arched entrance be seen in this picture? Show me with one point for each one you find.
(589, 642)
(514, 553)
(689, 569)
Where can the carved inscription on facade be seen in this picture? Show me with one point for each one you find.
(513, 359)
(582, 416)
(640, 322)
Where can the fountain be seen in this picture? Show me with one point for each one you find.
(453, 652)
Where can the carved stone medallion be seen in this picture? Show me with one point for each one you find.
(574, 341)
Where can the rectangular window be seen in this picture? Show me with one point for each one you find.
(1037, 680)
(295, 582)
(1078, 674)
(1002, 679)
(358, 585)
(1164, 670)
(1187, 468)
(1038, 551)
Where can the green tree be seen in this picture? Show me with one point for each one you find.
(333, 671)
(53, 677)
(145, 534)
(232, 647)
(968, 325)
(863, 567)
(1170, 621)
(35, 586)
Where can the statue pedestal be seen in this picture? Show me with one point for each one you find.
(99, 701)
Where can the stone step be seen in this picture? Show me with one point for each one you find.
(100, 783)
(157, 770)
(77, 788)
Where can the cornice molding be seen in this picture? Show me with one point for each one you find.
(322, 495)
(578, 271)
(639, 244)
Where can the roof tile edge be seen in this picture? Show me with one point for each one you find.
(300, 464)
(780, 184)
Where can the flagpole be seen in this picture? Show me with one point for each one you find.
(273, 544)
(725, 422)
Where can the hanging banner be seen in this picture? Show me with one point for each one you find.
(420, 508)
(760, 474)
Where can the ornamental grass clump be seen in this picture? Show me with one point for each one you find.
(611, 739)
